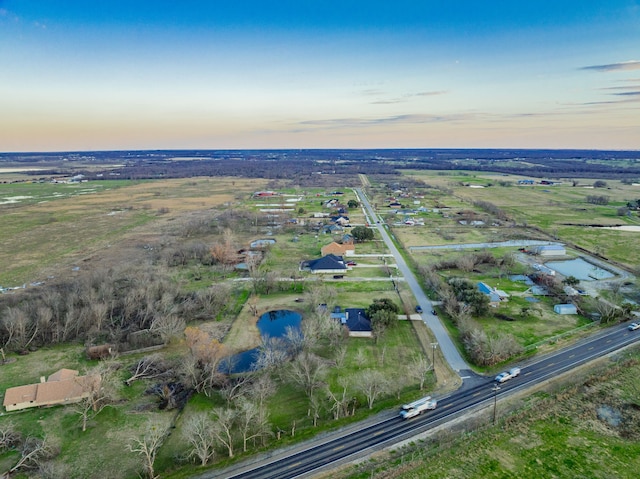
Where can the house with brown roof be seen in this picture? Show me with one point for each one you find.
(338, 249)
(62, 387)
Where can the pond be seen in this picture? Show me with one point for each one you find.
(580, 269)
(273, 324)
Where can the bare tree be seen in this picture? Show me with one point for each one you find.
(167, 325)
(271, 353)
(225, 427)
(307, 371)
(209, 353)
(252, 422)
(419, 369)
(315, 407)
(149, 367)
(19, 329)
(340, 354)
(198, 431)
(100, 383)
(9, 436)
(148, 445)
(372, 384)
(340, 399)
(235, 388)
(262, 388)
(295, 340)
(33, 452)
(466, 263)
(608, 311)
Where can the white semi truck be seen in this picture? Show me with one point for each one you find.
(418, 407)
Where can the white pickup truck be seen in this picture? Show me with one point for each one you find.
(512, 373)
(418, 407)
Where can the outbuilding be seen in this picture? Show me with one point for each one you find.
(565, 309)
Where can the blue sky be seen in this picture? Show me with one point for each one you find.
(77, 75)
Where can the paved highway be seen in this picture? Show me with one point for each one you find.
(307, 459)
(449, 350)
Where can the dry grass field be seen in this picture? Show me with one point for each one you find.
(50, 237)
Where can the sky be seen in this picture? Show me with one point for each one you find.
(258, 74)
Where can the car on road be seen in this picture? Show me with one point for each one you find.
(512, 373)
(419, 309)
(433, 311)
(633, 326)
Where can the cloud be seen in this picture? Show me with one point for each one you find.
(389, 120)
(628, 87)
(430, 93)
(622, 66)
(404, 98)
(627, 93)
(372, 92)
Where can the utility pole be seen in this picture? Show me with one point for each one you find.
(495, 390)
(434, 346)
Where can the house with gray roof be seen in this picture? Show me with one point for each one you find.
(329, 264)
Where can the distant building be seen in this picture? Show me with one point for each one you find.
(565, 309)
(550, 250)
(262, 243)
(338, 249)
(264, 194)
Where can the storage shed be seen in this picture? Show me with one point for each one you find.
(551, 250)
(565, 309)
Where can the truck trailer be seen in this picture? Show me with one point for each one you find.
(418, 407)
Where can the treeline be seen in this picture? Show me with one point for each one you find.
(310, 167)
(130, 306)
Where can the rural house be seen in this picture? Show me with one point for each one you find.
(338, 249)
(62, 387)
(355, 320)
(330, 263)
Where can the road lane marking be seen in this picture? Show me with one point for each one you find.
(477, 394)
(590, 348)
(447, 405)
(338, 448)
(572, 356)
(527, 373)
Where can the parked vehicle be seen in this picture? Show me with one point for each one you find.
(419, 309)
(633, 326)
(418, 407)
(512, 373)
(351, 263)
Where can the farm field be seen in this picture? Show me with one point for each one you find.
(57, 226)
(559, 212)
